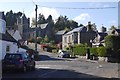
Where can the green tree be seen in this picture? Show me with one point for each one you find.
(41, 19)
(11, 18)
(112, 27)
(113, 42)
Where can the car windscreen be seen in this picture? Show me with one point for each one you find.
(13, 56)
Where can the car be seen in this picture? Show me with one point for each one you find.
(63, 54)
(18, 61)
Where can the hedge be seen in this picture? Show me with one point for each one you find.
(102, 52)
(93, 51)
(80, 51)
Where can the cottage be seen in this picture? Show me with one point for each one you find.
(7, 43)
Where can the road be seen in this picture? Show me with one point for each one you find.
(50, 66)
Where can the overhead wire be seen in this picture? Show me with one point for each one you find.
(79, 8)
(75, 7)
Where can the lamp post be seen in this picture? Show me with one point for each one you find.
(36, 29)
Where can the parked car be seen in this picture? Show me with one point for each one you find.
(63, 54)
(19, 61)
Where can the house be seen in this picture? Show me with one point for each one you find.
(8, 42)
(15, 34)
(114, 32)
(58, 36)
(99, 39)
(80, 35)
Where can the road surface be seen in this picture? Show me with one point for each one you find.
(50, 66)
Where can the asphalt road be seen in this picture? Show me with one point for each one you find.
(50, 66)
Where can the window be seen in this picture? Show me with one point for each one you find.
(8, 48)
(65, 40)
(69, 39)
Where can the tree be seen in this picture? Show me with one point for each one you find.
(11, 18)
(63, 23)
(112, 27)
(41, 19)
(113, 42)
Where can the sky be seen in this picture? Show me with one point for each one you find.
(72, 9)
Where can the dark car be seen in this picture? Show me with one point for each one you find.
(63, 54)
(19, 61)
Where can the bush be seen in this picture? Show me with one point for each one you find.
(102, 52)
(80, 51)
(93, 51)
(112, 41)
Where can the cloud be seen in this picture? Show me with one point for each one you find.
(49, 11)
(46, 12)
(82, 17)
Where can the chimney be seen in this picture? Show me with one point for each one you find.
(2, 23)
(89, 26)
(103, 29)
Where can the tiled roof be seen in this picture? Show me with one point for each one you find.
(7, 37)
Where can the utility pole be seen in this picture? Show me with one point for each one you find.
(36, 28)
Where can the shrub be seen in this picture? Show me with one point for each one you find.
(80, 51)
(112, 41)
(93, 51)
(102, 52)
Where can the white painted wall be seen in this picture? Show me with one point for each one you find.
(13, 47)
(2, 26)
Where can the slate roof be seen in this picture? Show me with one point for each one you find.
(61, 32)
(7, 37)
(102, 35)
(79, 29)
(118, 30)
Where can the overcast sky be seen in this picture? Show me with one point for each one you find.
(72, 10)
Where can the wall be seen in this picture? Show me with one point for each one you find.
(3, 45)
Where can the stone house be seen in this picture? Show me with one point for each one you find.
(58, 36)
(80, 35)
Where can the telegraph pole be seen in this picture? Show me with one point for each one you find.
(36, 28)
